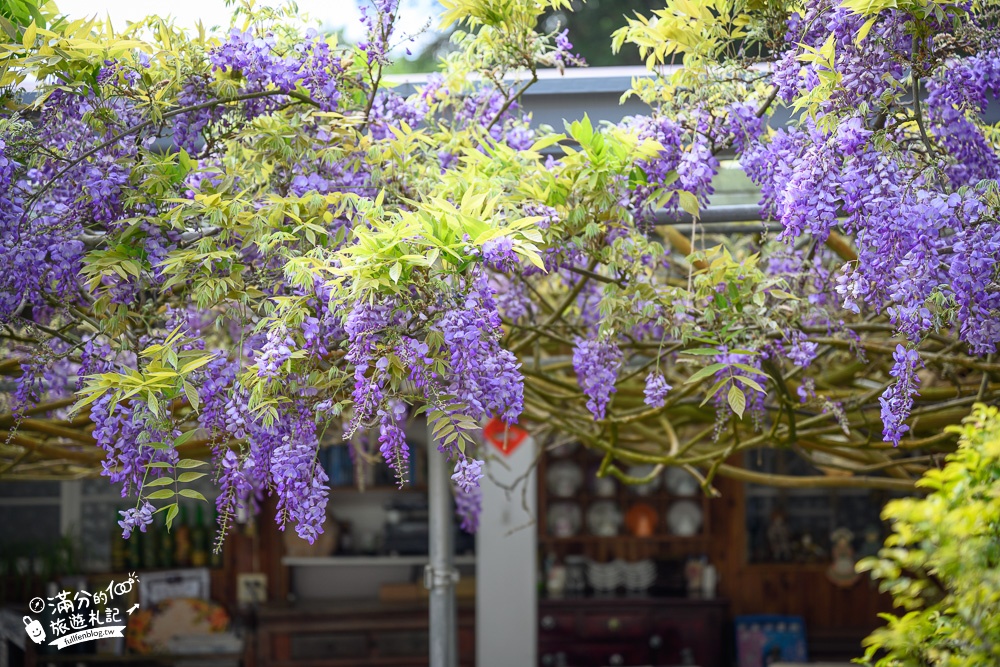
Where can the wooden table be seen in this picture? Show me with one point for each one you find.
(353, 633)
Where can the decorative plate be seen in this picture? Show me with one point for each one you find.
(684, 518)
(680, 483)
(564, 479)
(604, 519)
(564, 519)
(602, 487)
(641, 519)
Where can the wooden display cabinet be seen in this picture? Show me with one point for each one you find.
(660, 544)
(580, 631)
(585, 632)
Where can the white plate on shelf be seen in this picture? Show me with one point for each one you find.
(604, 519)
(603, 487)
(564, 519)
(680, 482)
(564, 479)
(684, 518)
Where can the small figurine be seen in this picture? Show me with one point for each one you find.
(872, 543)
(809, 551)
(841, 572)
(694, 571)
(777, 536)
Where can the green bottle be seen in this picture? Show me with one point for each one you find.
(150, 545)
(133, 555)
(182, 540)
(165, 554)
(199, 540)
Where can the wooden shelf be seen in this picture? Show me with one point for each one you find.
(788, 566)
(419, 488)
(366, 561)
(661, 544)
(598, 539)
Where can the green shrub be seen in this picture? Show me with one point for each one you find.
(940, 562)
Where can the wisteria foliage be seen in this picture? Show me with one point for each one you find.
(243, 247)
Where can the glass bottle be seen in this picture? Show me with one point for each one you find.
(165, 553)
(182, 539)
(199, 539)
(150, 545)
(133, 552)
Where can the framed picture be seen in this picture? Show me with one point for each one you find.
(154, 587)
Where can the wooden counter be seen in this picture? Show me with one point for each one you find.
(353, 632)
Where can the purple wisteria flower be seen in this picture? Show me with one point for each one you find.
(499, 253)
(656, 390)
(597, 363)
(276, 351)
(299, 481)
(468, 506)
(392, 439)
(800, 351)
(235, 487)
(134, 518)
(563, 55)
(897, 400)
(484, 376)
(365, 325)
(468, 472)
(391, 110)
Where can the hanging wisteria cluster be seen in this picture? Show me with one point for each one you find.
(246, 247)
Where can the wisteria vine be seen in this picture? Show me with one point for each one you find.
(247, 247)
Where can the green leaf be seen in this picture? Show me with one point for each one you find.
(751, 383)
(688, 202)
(192, 396)
(29, 35)
(865, 29)
(190, 476)
(737, 400)
(161, 494)
(195, 364)
(191, 493)
(715, 390)
(172, 511)
(711, 369)
(160, 481)
(190, 463)
(747, 368)
(184, 437)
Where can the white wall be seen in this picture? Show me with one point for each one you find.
(506, 551)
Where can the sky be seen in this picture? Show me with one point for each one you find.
(332, 14)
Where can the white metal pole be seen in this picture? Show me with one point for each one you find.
(440, 575)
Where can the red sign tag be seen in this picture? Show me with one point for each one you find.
(505, 438)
